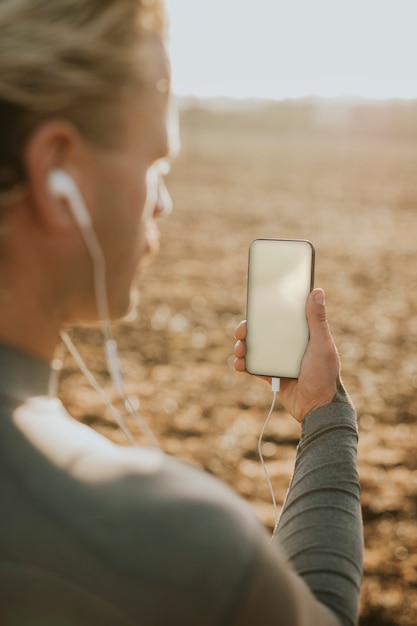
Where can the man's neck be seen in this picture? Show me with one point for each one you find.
(23, 325)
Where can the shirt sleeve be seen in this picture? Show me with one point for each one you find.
(311, 573)
(320, 528)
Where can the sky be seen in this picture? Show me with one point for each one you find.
(294, 48)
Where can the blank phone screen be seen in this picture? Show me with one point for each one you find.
(280, 278)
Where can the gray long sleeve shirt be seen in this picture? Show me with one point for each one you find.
(97, 534)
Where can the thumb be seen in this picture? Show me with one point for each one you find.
(320, 368)
(317, 316)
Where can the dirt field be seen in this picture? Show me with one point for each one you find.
(347, 180)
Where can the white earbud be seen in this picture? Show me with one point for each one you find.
(63, 185)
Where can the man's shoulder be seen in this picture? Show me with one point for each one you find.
(156, 489)
(191, 530)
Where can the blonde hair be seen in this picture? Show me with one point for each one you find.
(72, 59)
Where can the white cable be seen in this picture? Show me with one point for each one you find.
(275, 389)
(114, 412)
(117, 381)
(110, 344)
(99, 266)
(117, 378)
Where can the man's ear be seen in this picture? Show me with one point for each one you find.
(54, 144)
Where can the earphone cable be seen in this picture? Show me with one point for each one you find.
(275, 389)
(83, 367)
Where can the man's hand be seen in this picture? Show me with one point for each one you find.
(320, 367)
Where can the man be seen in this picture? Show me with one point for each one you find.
(94, 533)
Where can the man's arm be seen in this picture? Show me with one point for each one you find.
(320, 529)
(311, 573)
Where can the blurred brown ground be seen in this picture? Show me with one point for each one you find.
(345, 177)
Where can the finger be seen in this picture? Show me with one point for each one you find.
(240, 331)
(240, 365)
(240, 349)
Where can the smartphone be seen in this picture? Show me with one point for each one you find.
(280, 278)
